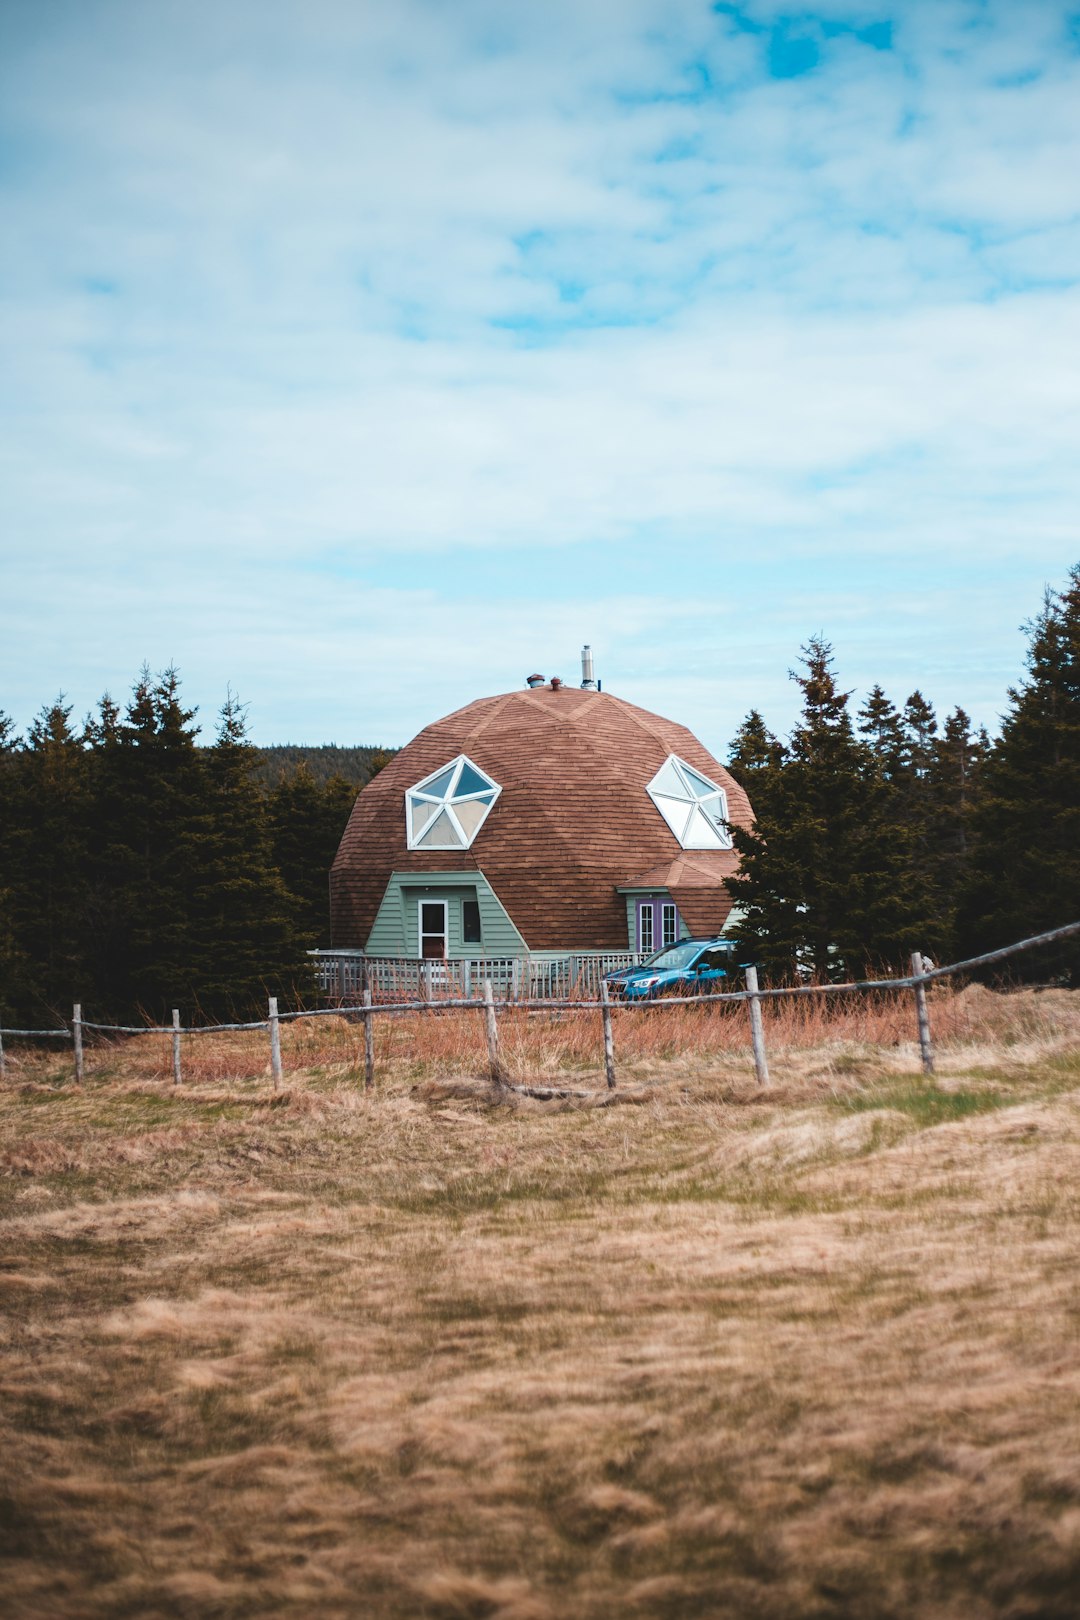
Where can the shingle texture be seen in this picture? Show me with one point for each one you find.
(572, 826)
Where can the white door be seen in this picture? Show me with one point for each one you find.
(432, 930)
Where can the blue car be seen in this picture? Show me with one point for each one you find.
(692, 967)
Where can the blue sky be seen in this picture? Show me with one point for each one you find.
(366, 357)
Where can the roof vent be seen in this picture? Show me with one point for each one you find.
(588, 680)
(534, 680)
(556, 683)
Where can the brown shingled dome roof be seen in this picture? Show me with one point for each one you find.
(572, 824)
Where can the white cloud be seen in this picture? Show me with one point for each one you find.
(401, 294)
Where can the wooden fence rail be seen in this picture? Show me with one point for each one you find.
(922, 974)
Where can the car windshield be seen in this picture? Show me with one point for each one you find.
(675, 956)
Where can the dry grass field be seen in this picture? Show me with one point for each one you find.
(707, 1352)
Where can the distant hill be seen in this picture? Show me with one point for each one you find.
(323, 760)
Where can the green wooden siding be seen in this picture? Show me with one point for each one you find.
(396, 928)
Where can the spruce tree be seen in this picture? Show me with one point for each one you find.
(307, 820)
(1025, 826)
(956, 756)
(247, 941)
(826, 876)
(49, 906)
(150, 819)
(883, 729)
(754, 751)
(19, 989)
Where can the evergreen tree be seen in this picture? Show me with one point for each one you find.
(247, 942)
(1025, 826)
(50, 902)
(919, 731)
(883, 729)
(826, 879)
(19, 991)
(953, 776)
(150, 821)
(754, 751)
(307, 820)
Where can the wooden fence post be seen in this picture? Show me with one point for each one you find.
(275, 1043)
(76, 1032)
(498, 1075)
(757, 1028)
(369, 1041)
(176, 1046)
(609, 1042)
(922, 1015)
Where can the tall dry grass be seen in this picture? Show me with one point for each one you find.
(545, 1045)
(416, 1355)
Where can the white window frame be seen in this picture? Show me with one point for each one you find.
(445, 801)
(688, 813)
(667, 906)
(646, 907)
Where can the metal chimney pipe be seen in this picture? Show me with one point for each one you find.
(588, 680)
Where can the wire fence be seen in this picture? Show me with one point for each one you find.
(923, 973)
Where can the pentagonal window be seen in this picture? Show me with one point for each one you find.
(447, 809)
(694, 807)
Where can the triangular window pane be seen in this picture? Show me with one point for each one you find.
(701, 834)
(438, 785)
(470, 814)
(442, 834)
(667, 781)
(421, 815)
(699, 785)
(470, 781)
(676, 812)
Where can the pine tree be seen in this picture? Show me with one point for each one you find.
(19, 990)
(248, 944)
(1025, 827)
(307, 820)
(50, 904)
(883, 729)
(150, 821)
(826, 877)
(753, 752)
(953, 776)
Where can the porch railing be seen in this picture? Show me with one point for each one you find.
(339, 976)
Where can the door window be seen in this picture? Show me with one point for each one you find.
(433, 930)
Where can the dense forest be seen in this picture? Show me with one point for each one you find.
(140, 870)
(324, 761)
(883, 831)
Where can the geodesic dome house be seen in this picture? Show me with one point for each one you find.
(548, 820)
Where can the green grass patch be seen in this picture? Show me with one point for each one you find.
(924, 1102)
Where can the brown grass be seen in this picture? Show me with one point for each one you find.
(415, 1354)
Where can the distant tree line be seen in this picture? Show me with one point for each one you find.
(324, 761)
(140, 871)
(884, 832)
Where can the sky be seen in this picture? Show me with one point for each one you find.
(363, 358)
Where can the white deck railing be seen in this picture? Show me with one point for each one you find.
(339, 976)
